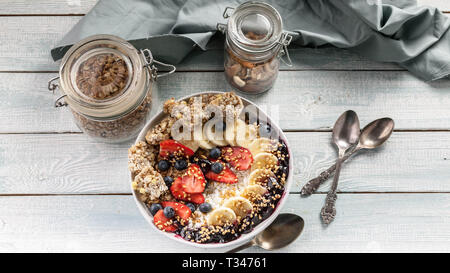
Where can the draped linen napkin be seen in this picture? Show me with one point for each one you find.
(415, 37)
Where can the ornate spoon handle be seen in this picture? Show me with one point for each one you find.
(314, 183)
(328, 211)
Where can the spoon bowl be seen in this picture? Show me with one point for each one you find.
(284, 230)
(346, 130)
(281, 232)
(376, 133)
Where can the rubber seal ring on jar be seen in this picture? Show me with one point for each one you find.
(150, 65)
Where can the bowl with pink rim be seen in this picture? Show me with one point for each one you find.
(243, 238)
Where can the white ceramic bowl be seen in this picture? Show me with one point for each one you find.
(244, 237)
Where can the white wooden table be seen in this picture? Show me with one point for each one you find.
(60, 192)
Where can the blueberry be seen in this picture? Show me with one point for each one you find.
(191, 206)
(154, 208)
(168, 180)
(215, 153)
(169, 212)
(163, 165)
(181, 164)
(265, 130)
(217, 167)
(205, 207)
(204, 164)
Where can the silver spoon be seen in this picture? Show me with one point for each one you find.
(283, 231)
(345, 134)
(372, 136)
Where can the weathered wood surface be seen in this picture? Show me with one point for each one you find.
(306, 100)
(63, 7)
(364, 222)
(50, 7)
(73, 164)
(393, 200)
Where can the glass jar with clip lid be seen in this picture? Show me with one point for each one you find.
(254, 44)
(107, 84)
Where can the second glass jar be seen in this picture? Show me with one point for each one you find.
(254, 43)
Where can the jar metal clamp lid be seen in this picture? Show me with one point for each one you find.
(136, 62)
(256, 28)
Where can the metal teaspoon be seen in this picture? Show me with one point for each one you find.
(345, 134)
(372, 136)
(283, 231)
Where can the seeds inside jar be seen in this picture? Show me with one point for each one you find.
(252, 77)
(102, 76)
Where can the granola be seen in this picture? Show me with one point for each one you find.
(150, 184)
(141, 155)
(102, 76)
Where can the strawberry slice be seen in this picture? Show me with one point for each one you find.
(171, 147)
(225, 176)
(180, 209)
(164, 223)
(196, 198)
(193, 180)
(238, 157)
(178, 192)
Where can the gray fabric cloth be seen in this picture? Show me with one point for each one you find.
(417, 38)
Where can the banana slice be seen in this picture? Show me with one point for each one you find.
(252, 192)
(241, 128)
(245, 134)
(191, 144)
(252, 135)
(202, 141)
(259, 176)
(230, 134)
(240, 205)
(265, 161)
(261, 145)
(221, 216)
(214, 138)
(205, 144)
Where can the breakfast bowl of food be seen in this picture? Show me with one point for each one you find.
(210, 170)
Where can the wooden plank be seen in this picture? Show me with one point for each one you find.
(27, 41)
(54, 7)
(74, 164)
(306, 100)
(443, 5)
(364, 223)
(22, 7)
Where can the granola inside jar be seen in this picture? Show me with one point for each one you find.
(107, 84)
(254, 43)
